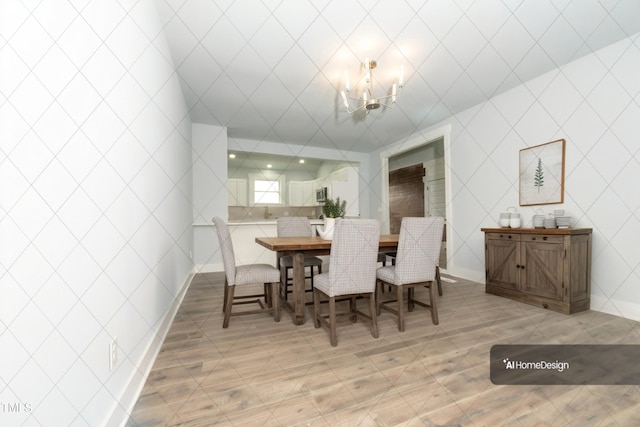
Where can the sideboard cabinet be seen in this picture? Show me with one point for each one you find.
(550, 268)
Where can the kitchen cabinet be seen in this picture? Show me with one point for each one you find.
(237, 192)
(302, 193)
(550, 268)
(344, 184)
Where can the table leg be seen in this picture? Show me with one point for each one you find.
(298, 288)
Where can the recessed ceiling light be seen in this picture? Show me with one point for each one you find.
(269, 166)
(301, 161)
(232, 156)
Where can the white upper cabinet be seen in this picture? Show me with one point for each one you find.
(237, 192)
(344, 184)
(302, 193)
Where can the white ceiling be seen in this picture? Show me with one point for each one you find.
(272, 70)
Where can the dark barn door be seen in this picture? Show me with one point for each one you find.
(406, 195)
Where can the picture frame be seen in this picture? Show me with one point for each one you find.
(542, 174)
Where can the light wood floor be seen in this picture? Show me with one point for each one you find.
(261, 373)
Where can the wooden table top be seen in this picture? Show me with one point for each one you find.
(281, 244)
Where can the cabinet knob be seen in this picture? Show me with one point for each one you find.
(533, 238)
(544, 238)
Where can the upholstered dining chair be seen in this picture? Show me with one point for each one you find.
(392, 255)
(416, 265)
(393, 262)
(243, 275)
(295, 226)
(352, 273)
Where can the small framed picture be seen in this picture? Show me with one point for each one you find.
(542, 174)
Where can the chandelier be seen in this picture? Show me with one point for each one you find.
(368, 101)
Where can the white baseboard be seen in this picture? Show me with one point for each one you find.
(628, 310)
(472, 275)
(132, 392)
(209, 268)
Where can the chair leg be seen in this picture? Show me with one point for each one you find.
(316, 308)
(372, 313)
(410, 297)
(275, 300)
(400, 309)
(224, 301)
(229, 303)
(438, 280)
(332, 322)
(311, 275)
(434, 309)
(286, 283)
(267, 295)
(353, 310)
(283, 283)
(379, 291)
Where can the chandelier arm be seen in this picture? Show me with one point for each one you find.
(368, 101)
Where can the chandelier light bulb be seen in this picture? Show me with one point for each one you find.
(369, 101)
(344, 99)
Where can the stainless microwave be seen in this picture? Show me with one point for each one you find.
(321, 194)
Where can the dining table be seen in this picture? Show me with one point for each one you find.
(298, 248)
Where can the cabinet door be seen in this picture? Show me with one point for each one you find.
(502, 256)
(543, 261)
(296, 196)
(236, 192)
(344, 184)
(302, 193)
(309, 193)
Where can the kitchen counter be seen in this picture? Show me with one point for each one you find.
(254, 222)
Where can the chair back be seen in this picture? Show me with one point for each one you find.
(294, 226)
(226, 247)
(418, 249)
(353, 256)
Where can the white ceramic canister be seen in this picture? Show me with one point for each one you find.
(538, 221)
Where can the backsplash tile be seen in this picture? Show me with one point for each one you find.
(242, 213)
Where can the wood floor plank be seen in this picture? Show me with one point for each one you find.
(261, 373)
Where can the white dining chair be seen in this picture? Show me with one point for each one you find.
(416, 265)
(292, 226)
(352, 273)
(243, 275)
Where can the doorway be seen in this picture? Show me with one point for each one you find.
(416, 187)
(405, 184)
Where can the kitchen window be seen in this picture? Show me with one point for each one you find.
(267, 190)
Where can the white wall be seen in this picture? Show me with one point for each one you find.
(594, 103)
(209, 193)
(95, 206)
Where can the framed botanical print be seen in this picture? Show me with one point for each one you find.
(542, 174)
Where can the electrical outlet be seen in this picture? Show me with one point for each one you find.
(113, 353)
